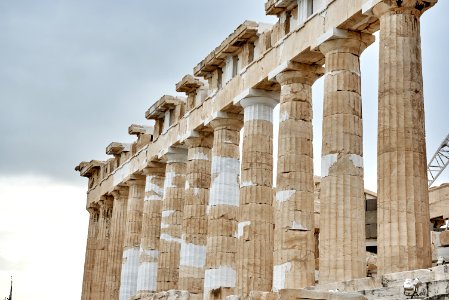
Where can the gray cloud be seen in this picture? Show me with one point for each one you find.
(75, 74)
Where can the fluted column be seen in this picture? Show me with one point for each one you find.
(403, 199)
(91, 247)
(222, 209)
(194, 226)
(172, 211)
(133, 229)
(294, 242)
(255, 227)
(151, 229)
(116, 239)
(101, 254)
(342, 220)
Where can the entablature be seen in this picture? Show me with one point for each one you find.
(287, 51)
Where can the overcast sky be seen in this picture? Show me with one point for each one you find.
(75, 73)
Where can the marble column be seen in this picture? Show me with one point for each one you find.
(194, 225)
(294, 242)
(171, 222)
(342, 219)
(101, 254)
(116, 239)
(255, 227)
(151, 229)
(91, 247)
(403, 199)
(133, 229)
(224, 198)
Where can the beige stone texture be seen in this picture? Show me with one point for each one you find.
(294, 245)
(101, 253)
(91, 247)
(222, 209)
(116, 239)
(242, 64)
(403, 199)
(133, 230)
(300, 294)
(151, 228)
(171, 222)
(255, 227)
(444, 238)
(439, 202)
(342, 220)
(194, 225)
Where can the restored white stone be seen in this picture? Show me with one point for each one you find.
(326, 163)
(224, 188)
(147, 277)
(247, 183)
(223, 276)
(258, 112)
(168, 182)
(284, 116)
(357, 160)
(240, 227)
(279, 275)
(192, 255)
(282, 196)
(169, 238)
(167, 213)
(298, 226)
(128, 278)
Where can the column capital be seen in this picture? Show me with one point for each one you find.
(294, 72)
(174, 154)
(120, 193)
(222, 119)
(136, 179)
(105, 202)
(338, 40)
(257, 96)
(154, 168)
(416, 7)
(204, 139)
(93, 208)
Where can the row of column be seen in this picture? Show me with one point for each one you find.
(195, 225)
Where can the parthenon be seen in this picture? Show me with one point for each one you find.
(190, 210)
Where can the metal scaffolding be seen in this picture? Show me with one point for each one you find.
(439, 161)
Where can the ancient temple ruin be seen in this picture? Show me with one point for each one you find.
(190, 209)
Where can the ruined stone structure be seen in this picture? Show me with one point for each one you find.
(190, 209)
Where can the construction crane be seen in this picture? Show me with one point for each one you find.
(438, 162)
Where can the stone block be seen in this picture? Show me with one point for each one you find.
(444, 238)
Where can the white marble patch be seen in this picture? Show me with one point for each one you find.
(224, 188)
(258, 112)
(168, 182)
(299, 226)
(279, 275)
(282, 196)
(169, 238)
(221, 277)
(240, 228)
(326, 163)
(192, 255)
(167, 213)
(357, 160)
(128, 277)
